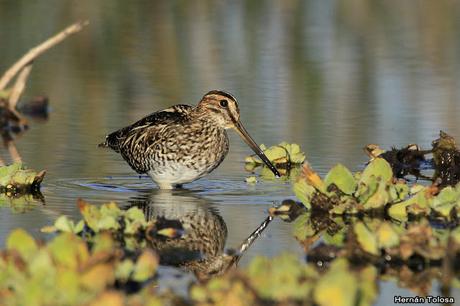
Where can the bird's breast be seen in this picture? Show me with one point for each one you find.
(189, 153)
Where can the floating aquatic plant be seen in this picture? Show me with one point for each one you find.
(71, 270)
(16, 179)
(282, 155)
(375, 190)
(85, 263)
(129, 227)
(283, 280)
(20, 187)
(65, 271)
(412, 160)
(251, 180)
(415, 247)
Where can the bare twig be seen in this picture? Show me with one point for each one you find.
(19, 86)
(38, 50)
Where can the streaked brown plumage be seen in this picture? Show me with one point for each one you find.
(182, 143)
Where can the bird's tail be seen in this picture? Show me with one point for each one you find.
(103, 144)
(111, 141)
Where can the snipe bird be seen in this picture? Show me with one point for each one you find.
(182, 143)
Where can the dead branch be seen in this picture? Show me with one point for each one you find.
(23, 67)
(38, 50)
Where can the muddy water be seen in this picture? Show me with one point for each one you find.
(329, 75)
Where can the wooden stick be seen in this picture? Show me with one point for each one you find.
(19, 86)
(38, 50)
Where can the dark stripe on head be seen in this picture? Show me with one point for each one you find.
(212, 109)
(221, 93)
(232, 117)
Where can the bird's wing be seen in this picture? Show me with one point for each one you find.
(122, 137)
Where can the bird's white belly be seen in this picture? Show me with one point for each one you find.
(174, 174)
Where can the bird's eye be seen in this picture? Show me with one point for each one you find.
(223, 103)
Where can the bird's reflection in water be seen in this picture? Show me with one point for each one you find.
(201, 249)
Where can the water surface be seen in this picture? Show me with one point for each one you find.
(332, 76)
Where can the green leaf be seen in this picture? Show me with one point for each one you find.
(366, 239)
(251, 180)
(124, 269)
(387, 237)
(68, 250)
(337, 287)
(337, 239)
(22, 242)
(108, 222)
(446, 196)
(90, 213)
(445, 201)
(145, 267)
(342, 178)
(280, 154)
(304, 192)
(280, 279)
(103, 243)
(79, 227)
(398, 191)
(135, 214)
(380, 197)
(368, 289)
(366, 188)
(111, 209)
(64, 224)
(302, 227)
(399, 211)
(377, 168)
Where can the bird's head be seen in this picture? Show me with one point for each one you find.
(223, 109)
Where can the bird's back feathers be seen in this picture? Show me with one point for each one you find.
(116, 139)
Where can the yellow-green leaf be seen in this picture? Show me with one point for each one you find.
(338, 287)
(22, 242)
(366, 239)
(342, 178)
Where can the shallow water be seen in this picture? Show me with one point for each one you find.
(332, 76)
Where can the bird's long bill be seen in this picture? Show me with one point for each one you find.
(253, 145)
